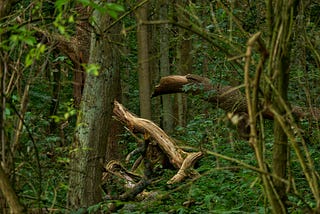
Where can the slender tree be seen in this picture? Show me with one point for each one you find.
(7, 193)
(167, 103)
(184, 63)
(279, 64)
(143, 62)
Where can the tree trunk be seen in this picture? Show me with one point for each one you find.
(143, 62)
(113, 147)
(167, 103)
(94, 118)
(280, 61)
(82, 56)
(280, 147)
(9, 193)
(184, 66)
(154, 56)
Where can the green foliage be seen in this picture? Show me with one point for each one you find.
(34, 54)
(67, 110)
(92, 69)
(112, 9)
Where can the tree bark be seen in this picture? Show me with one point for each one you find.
(184, 66)
(9, 193)
(82, 38)
(143, 63)
(167, 103)
(93, 125)
(280, 61)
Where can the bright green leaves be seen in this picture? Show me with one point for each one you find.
(60, 4)
(61, 21)
(34, 54)
(67, 111)
(112, 9)
(24, 37)
(92, 69)
(18, 35)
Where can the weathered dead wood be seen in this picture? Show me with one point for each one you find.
(227, 98)
(133, 184)
(147, 127)
(178, 158)
(187, 164)
(115, 168)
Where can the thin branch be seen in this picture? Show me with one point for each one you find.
(140, 4)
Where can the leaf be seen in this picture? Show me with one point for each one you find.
(92, 69)
(115, 7)
(71, 19)
(28, 61)
(66, 115)
(61, 29)
(41, 48)
(55, 118)
(14, 38)
(113, 14)
(30, 41)
(60, 3)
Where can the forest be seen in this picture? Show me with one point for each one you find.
(181, 106)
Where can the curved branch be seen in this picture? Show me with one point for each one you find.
(180, 159)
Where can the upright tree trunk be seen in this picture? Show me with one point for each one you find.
(82, 56)
(167, 103)
(280, 147)
(279, 64)
(94, 118)
(5, 6)
(154, 56)
(9, 194)
(184, 67)
(143, 63)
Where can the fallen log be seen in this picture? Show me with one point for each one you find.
(228, 98)
(181, 160)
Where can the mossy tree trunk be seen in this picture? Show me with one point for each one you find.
(94, 118)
